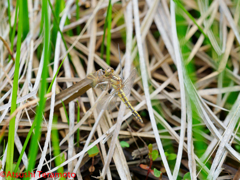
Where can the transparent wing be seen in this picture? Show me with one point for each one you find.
(129, 82)
(108, 102)
(96, 77)
(103, 86)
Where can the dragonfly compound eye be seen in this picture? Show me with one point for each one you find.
(109, 71)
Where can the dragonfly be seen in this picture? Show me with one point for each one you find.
(121, 89)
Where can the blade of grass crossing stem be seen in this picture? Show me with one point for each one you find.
(69, 32)
(194, 21)
(26, 19)
(109, 23)
(56, 20)
(67, 22)
(65, 110)
(14, 27)
(40, 108)
(9, 17)
(25, 145)
(104, 30)
(59, 30)
(11, 133)
(9, 22)
(50, 87)
(56, 150)
(78, 17)
(41, 28)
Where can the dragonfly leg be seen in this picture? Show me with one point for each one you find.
(109, 85)
(101, 83)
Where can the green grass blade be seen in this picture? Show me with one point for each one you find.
(9, 22)
(11, 133)
(9, 17)
(59, 30)
(56, 13)
(56, 149)
(25, 145)
(14, 27)
(40, 108)
(65, 110)
(104, 31)
(69, 32)
(50, 87)
(56, 21)
(192, 18)
(109, 23)
(26, 19)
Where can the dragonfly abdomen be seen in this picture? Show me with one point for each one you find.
(123, 97)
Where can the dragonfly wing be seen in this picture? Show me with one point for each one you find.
(103, 86)
(128, 84)
(102, 104)
(108, 102)
(113, 103)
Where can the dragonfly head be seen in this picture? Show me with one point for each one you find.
(109, 72)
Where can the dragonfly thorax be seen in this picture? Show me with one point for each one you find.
(114, 80)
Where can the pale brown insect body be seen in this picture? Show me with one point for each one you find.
(117, 83)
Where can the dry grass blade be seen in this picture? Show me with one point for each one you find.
(186, 55)
(8, 48)
(180, 66)
(233, 117)
(145, 85)
(229, 17)
(192, 162)
(84, 118)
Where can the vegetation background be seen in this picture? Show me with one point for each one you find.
(186, 54)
